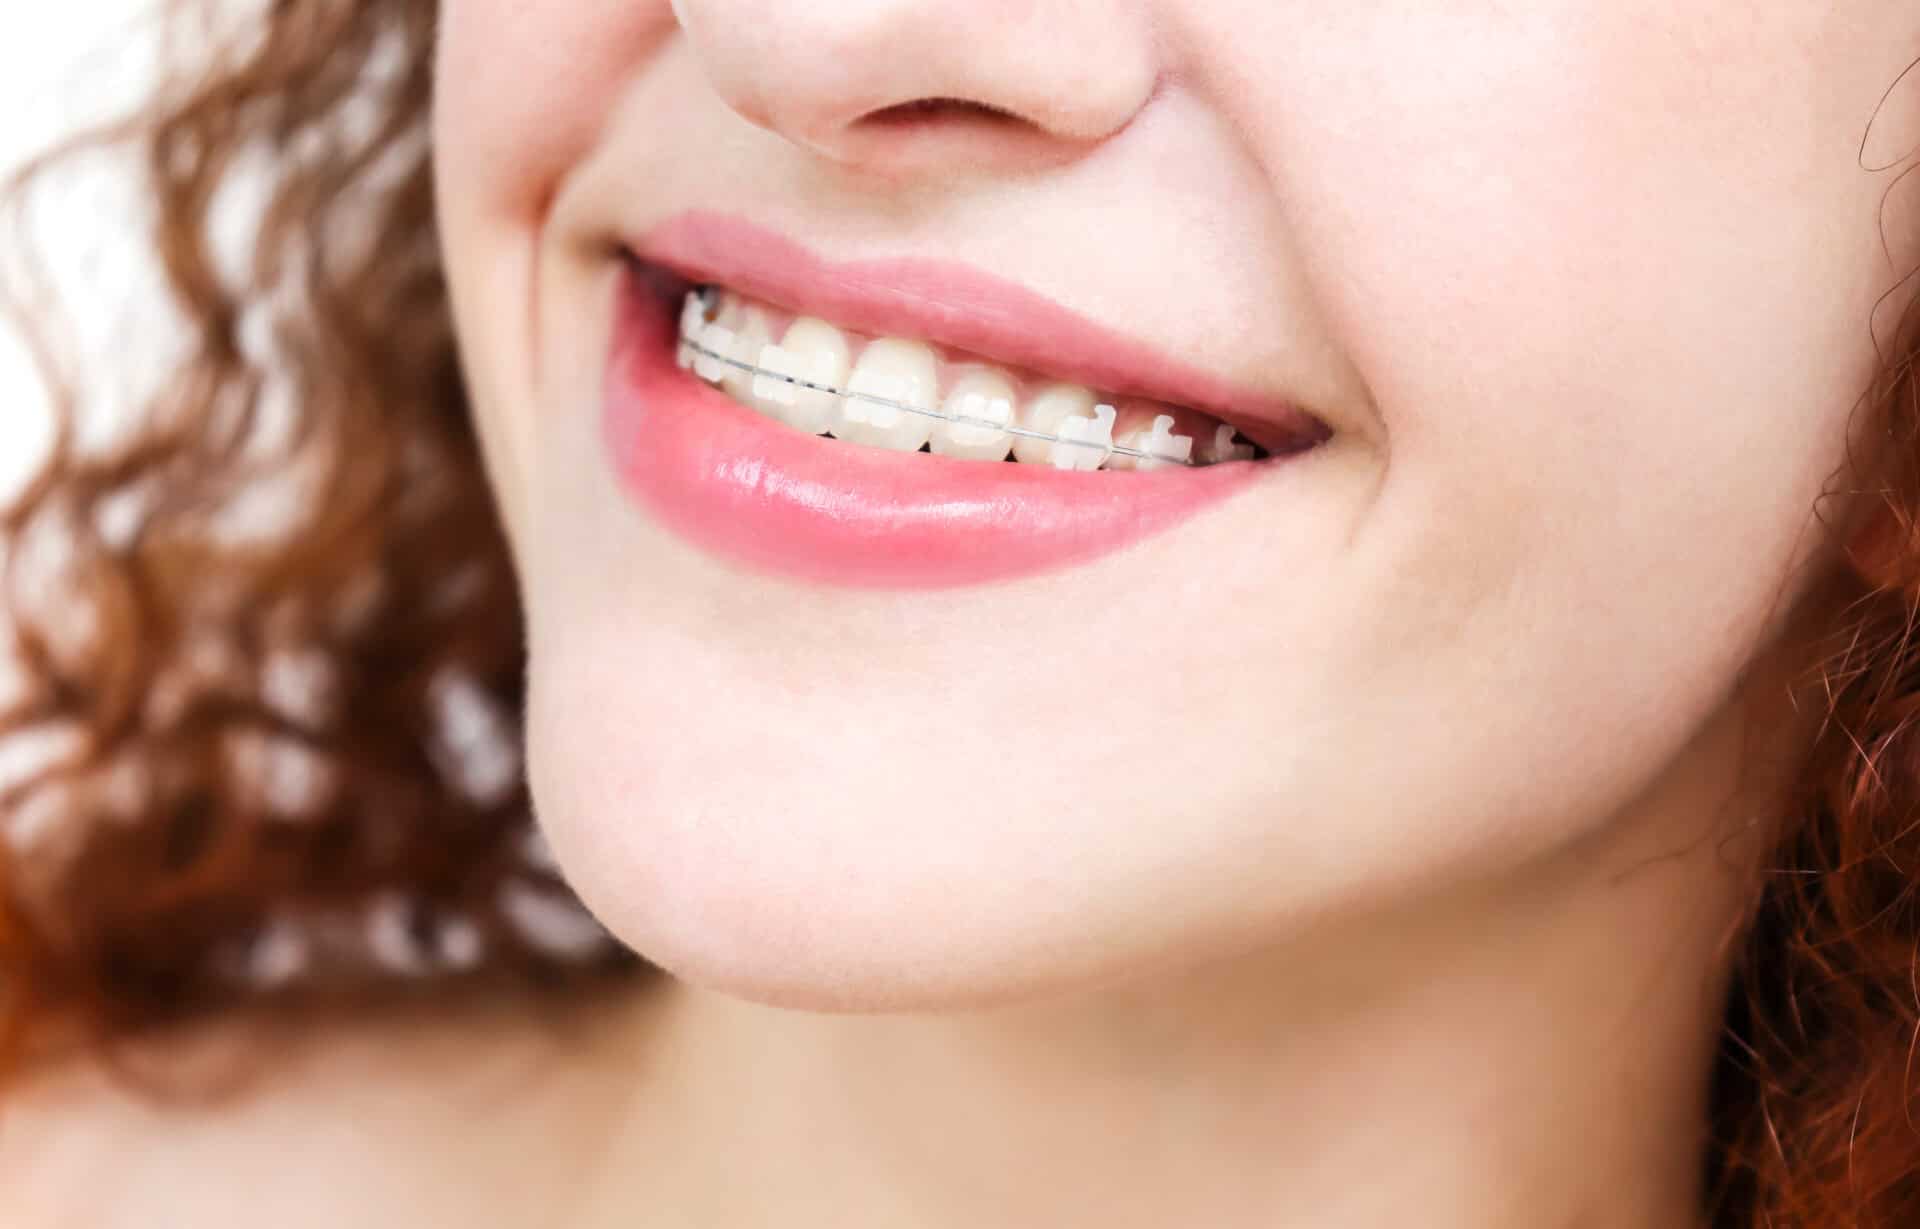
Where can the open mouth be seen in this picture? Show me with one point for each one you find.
(910, 395)
(837, 423)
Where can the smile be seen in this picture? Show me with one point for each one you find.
(906, 396)
(731, 401)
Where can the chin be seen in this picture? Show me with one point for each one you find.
(806, 884)
(717, 888)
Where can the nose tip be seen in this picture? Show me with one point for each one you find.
(901, 87)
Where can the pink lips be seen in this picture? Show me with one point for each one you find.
(761, 494)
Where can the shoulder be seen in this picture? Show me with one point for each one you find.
(476, 1113)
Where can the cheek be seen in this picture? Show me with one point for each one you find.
(522, 90)
(1607, 271)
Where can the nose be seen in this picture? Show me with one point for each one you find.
(900, 87)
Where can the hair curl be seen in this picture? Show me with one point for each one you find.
(270, 752)
(373, 650)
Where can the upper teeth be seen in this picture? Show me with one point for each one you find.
(980, 404)
(891, 396)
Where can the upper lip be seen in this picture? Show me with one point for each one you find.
(965, 308)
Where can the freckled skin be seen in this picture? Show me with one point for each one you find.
(1583, 288)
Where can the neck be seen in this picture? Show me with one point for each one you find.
(1533, 1051)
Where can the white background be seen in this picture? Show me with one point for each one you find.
(62, 65)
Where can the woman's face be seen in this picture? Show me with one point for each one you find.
(1581, 292)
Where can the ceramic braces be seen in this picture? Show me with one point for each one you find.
(1093, 434)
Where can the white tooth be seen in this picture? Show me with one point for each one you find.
(1085, 442)
(984, 396)
(693, 315)
(896, 370)
(716, 339)
(770, 394)
(751, 331)
(1046, 411)
(816, 352)
(1160, 441)
(1222, 447)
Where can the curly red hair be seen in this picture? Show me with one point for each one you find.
(373, 650)
(296, 749)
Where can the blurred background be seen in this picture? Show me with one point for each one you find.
(63, 66)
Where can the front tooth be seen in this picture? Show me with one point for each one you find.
(979, 395)
(751, 332)
(1046, 411)
(816, 352)
(897, 370)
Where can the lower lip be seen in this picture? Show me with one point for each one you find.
(760, 494)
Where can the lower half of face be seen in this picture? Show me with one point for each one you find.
(872, 663)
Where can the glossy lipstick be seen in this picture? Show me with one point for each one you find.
(762, 495)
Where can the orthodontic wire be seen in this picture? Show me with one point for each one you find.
(1109, 448)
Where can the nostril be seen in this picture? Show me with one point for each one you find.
(922, 110)
(945, 135)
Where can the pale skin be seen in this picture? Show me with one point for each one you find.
(1395, 884)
